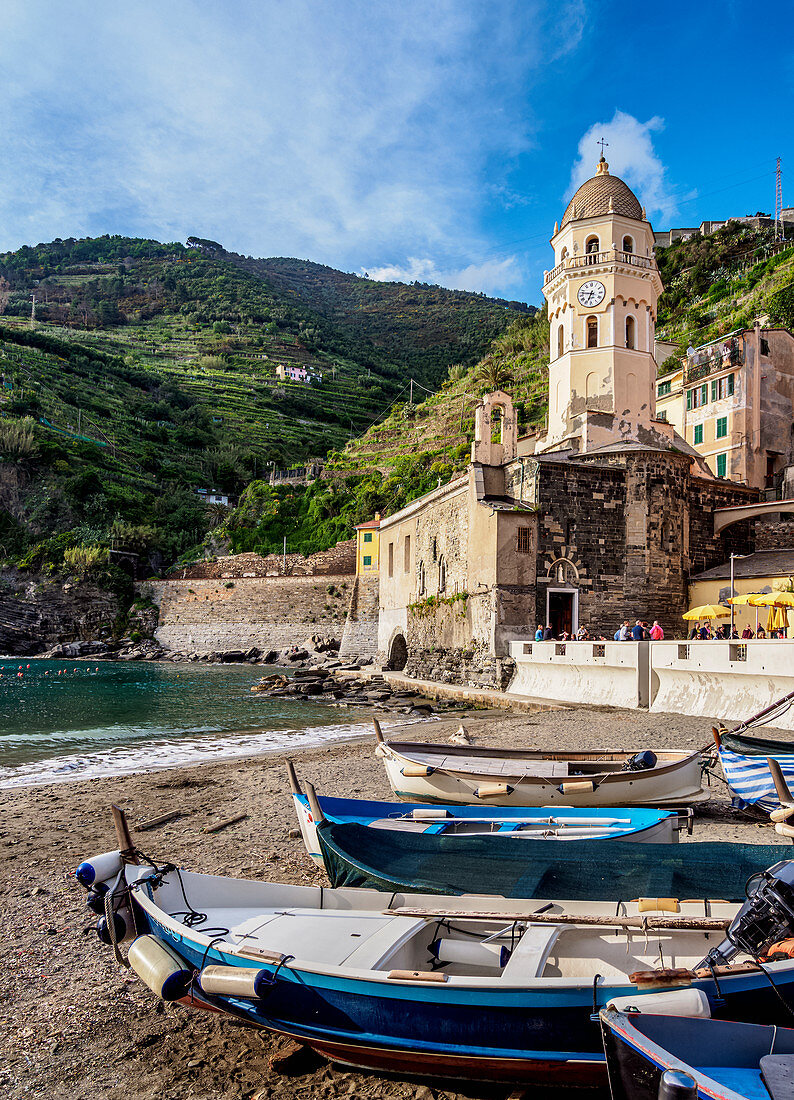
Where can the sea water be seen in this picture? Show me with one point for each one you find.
(62, 720)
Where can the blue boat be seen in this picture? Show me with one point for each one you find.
(703, 1059)
(520, 822)
(486, 988)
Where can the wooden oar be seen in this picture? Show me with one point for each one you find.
(693, 924)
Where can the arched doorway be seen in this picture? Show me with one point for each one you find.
(398, 653)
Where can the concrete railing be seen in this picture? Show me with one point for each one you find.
(613, 674)
(729, 680)
(726, 680)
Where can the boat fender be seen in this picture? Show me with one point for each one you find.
(429, 813)
(582, 786)
(782, 829)
(658, 905)
(677, 1085)
(675, 1002)
(416, 771)
(493, 790)
(782, 813)
(96, 898)
(165, 973)
(236, 981)
(783, 949)
(470, 952)
(98, 868)
(120, 925)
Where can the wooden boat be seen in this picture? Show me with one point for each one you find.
(484, 988)
(740, 740)
(426, 772)
(355, 855)
(757, 781)
(706, 1059)
(517, 822)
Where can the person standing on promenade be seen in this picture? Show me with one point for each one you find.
(637, 632)
(657, 634)
(548, 633)
(624, 634)
(539, 633)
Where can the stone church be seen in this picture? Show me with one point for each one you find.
(601, 518)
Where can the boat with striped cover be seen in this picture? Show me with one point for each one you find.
(483, 988)
(470, 774)
(518, 822)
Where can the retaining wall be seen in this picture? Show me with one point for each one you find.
(726, 680)
(206, 616)
(613, 674)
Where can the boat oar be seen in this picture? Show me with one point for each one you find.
(642, 923)
(294, 785)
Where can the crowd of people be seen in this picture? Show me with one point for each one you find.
(641, 632)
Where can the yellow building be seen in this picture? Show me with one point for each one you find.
(763, 571)
(368, 547)
(733, 401)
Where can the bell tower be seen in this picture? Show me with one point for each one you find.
(601, 297)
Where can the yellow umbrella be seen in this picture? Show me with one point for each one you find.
(748, 597)
(706, 611)
(773, 599)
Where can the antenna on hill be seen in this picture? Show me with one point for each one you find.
(778, 202)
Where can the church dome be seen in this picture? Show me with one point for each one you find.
(603, 194)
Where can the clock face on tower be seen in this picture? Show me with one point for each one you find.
(591, 293)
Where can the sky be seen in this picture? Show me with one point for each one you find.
(436, 140)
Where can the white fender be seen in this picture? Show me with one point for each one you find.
(98, 868)
(165, 973)
(471, 952)
(674, 1002)
(233, 981)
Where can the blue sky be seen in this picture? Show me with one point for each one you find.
(416, 139)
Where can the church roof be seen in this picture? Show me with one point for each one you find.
(603, 194)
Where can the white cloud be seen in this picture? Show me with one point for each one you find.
(631, 155)
(491, 277)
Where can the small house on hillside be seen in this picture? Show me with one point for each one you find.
(293, 373)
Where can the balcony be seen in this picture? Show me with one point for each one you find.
(713, 358)
(597, 259)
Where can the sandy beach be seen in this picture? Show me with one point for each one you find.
(75, 1025)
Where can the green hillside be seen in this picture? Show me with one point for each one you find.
(151, 369)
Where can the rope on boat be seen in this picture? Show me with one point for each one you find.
(110, 923)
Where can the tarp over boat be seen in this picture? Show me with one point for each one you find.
(756, 746)
(599, 870)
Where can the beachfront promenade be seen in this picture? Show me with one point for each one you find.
(719, 679)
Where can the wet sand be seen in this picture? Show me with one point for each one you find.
(77, 1026)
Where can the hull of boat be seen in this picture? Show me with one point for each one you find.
(638, 826)
(524, 1035)
(726, 1054)
(675, 784)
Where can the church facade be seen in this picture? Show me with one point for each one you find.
(601, 518)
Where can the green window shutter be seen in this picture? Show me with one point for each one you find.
(729, 380)
(704, 393)
(368, 560)
(722, 427)
(698, 434)
(722, 465)
(368, 536)
(689, 399)
(714, 390)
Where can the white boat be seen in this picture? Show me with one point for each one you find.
(466, 774)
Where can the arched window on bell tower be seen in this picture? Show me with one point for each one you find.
(591, 247)
(560, 341)
(630, 327)
(592, 332)
(628, 244)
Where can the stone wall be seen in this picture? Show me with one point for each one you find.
(770, 535)
(206, 616)
(360, 636)
(705, 548)
(338, 560)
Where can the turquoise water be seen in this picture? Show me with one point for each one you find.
(65, 720)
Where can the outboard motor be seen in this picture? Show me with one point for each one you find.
(766, 918)
(640, 761)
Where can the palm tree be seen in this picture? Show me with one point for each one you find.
(494, 373)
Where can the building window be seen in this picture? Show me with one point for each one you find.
(662, 415)
(697, 397)
(722, 465)
(664, 387)
(391, 559)
(524, 540)
(407, 560)
(722, 387)
(592, 332)
(764, 346)
(560, 340)
(421, 582)
(629, 332)
(442, 575)
(628, 244)
(367, 536)
(698, 437)
(367, 561)
(592, 246)
(722, 427)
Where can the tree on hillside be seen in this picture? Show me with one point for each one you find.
(494, 373)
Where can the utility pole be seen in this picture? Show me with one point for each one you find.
(33, 312)
(412, 391)
(285, 555)
(778, 202)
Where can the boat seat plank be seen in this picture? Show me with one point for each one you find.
(777, 1071)
(503, 768)
(529, 957)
